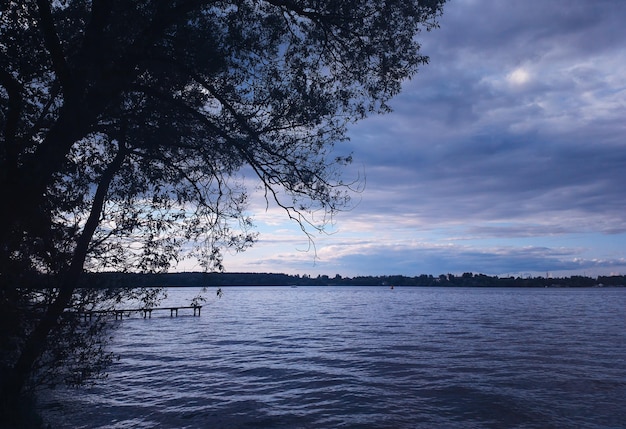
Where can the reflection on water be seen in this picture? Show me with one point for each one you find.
(322, 357)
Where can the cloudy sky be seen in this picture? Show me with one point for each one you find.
(506, 155)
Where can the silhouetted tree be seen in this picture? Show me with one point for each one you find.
(124, 125)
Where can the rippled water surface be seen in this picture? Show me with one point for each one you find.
(369, 357)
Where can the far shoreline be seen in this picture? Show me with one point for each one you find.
(200, 279)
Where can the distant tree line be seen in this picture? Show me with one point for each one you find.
(110, 279)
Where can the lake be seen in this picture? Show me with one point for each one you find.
(365, 357)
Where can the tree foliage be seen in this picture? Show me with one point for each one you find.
(125, 127)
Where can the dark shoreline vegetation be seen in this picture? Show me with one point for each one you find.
(191, 279)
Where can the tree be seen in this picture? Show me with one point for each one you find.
(125, 127)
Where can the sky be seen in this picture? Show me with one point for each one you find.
(505, 155)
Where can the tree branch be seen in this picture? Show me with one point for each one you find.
(53, 44)
(14, 90)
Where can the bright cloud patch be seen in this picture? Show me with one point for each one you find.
(518, 77)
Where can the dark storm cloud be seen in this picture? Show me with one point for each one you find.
(522, 29)
(512, 116)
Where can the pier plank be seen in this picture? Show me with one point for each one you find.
(147, 312)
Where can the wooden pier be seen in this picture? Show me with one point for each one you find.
(147, 312)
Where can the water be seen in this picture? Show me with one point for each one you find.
(369, 357)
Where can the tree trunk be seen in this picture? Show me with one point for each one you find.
(13, 385)
(36, 342)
